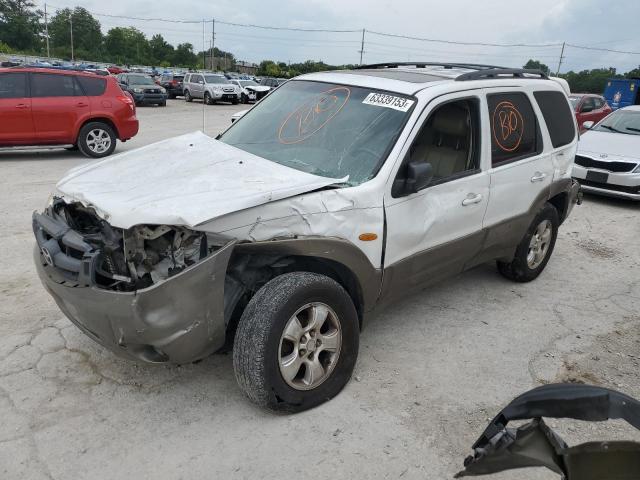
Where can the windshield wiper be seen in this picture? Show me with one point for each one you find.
(608, 127)
(633, 129)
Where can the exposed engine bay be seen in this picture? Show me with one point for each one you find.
(131, 259)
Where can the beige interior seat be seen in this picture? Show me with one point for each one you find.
(444, 143)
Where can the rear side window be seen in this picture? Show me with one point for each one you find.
(51, 85)
(13, 85)
(514, 128)
(599, 102)
(93, 87)
(558, 117)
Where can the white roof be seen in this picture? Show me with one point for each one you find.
(408, 79)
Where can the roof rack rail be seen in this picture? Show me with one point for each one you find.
(470, 66)
(495, 73)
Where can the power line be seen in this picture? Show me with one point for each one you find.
(454, 42)
(609, 50)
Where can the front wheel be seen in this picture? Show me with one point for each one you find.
(534, 251)
(96, 140)
(297, 342)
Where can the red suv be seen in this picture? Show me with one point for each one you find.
(41, 107)
(589, 108)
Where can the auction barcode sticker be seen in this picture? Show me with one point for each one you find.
(389, 101)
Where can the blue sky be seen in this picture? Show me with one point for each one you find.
(604, 24)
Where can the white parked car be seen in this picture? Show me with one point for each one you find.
(251, 91)
(211, 88)
(337, 194)
(608, 159)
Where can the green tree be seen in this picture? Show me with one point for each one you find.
(184, 56)
(87, 36)
(590, 81)
(161, 51)
(127, 45)
(20, 26)
(536, 65)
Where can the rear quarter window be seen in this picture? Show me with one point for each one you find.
(54, 85)
(93, 87)
(514, 128)
(558, 117)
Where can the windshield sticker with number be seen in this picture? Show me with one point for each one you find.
(390, 101)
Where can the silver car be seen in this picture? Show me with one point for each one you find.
(211, 88)
(608, 158)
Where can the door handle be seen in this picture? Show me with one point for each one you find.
(82, 104)
(538, 177)
(22, 106)
(471, 199)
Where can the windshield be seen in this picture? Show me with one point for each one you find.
(574, 101)
(215, 79)
(621, 121)
(329, 130)
(246, 83)
(140, 80)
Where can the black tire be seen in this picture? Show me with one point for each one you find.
(235, 102)
(207, 99)
(163, 104)
(245, 99)
(256, 350)
(519, 269)
(83, 139)
(187, 96)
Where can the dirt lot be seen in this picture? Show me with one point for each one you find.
(432, 369)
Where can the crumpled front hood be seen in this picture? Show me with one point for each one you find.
(185, 180)
(258, 88)
(613, 144)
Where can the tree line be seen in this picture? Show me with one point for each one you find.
(586, 81)
(22, 30)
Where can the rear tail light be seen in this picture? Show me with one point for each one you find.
(128, 101)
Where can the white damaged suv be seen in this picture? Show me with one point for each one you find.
(338, 193)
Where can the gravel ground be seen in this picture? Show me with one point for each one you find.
(432, 371)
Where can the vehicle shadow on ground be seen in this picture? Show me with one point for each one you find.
(43, 154)
(612, 202)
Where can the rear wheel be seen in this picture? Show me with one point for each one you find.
(96, 140)
(297, 342)
(534, 251)
(187, 96)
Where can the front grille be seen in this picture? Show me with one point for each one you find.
(152, 90)
(259, 95)
(228, 90)
(609, 186)
(617, 167)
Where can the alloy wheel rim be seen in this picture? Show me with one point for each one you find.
(539, 244)
(98, 140)
(309, 346)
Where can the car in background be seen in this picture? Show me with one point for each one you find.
(250, 90)
(269, 82)
(143, 89)
(51, 107)
(608, 158)
(115, 70)
(172, 83)
(589, 107)
(211, 88)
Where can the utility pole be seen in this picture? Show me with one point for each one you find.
(560, 60)
(213, 43)
(46, 29)
(71, 33)
(362, 47)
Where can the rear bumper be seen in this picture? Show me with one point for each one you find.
(128, 128)
(177, 320)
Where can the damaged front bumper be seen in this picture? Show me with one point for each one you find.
(179, 319)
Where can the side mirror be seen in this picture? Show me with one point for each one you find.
(419, 176)
(586, 109)
(588, 125)
(200, 82)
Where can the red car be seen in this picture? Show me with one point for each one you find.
(589, 107)
(45, 107)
